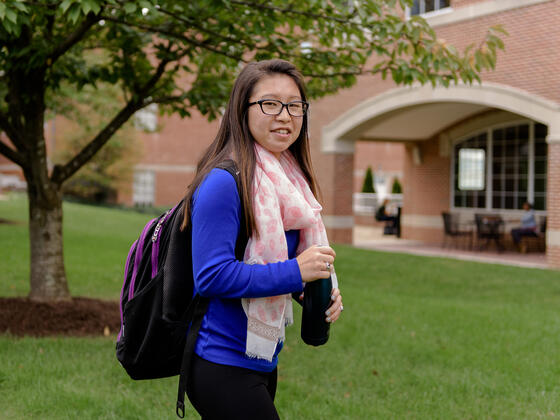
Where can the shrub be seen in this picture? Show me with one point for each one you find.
(396, 189)
(368, 186)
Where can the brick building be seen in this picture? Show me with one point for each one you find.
(481, 148)
(507, 128)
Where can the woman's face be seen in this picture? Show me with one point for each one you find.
(275, 132)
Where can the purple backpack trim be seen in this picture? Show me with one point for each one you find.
(155, 241)
(138, 257)
(124, 283)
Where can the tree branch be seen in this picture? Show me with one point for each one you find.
(74, 37)
(158, 30)
(63, 172)
(282, 10)
(11, 132)
(194, 24)
(13, 155)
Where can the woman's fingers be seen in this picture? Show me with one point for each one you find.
(316, 263)
(333, 313)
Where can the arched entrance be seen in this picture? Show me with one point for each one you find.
(428, 120)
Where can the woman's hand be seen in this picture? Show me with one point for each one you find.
(336, 306)
(316, 262)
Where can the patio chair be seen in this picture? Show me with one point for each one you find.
(538, 239)
(454, 232)
(491, 228)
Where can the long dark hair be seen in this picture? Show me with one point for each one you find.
(234, 139)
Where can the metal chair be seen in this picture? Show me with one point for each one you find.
(491, 228)
(454, 231)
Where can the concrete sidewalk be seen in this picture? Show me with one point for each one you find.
(372, 238)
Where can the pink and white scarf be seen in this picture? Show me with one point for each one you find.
(282, 201)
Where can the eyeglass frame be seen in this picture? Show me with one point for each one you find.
(284, 105)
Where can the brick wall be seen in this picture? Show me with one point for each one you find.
(384, 158)
(531, 60)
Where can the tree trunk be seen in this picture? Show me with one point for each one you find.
(48, 277)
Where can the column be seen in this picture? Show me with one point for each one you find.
(553, 203)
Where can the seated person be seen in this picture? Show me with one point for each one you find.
(528, 226)
(383, 214)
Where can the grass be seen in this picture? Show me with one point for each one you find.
(421, 338)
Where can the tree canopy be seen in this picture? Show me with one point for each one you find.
(184, 55)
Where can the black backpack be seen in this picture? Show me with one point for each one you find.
(158, 303)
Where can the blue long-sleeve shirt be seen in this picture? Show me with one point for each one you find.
(218, 275)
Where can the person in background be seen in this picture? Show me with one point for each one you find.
(384, 215)
(528, 227)
(264, 130)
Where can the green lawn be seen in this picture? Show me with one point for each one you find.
(421, 338)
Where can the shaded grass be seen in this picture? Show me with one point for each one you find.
(421, 338)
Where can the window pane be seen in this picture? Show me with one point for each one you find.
(497, 201)
(541, 149)
(540, 131)
(415, 9)
(540, 185)
(540, 166)
(498, 134)
(443, 3)
(509, 202)
(523, 133)
(540, 202)
(510, 133)
(471, 169)
(481, 200)
(430, 6)
(457, 201)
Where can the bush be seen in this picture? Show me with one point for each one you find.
(396, 189)
(368, 186)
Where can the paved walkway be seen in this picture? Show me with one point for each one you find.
(372, 238)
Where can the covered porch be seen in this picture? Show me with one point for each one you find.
(371, 237)
(514, 135)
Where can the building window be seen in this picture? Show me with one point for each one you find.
(143, 188)
(146, 118)
(516, 172)
(471, 169)
(468, 173)
(420, 7)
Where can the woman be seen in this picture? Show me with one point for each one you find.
(264, 130)
(528, 227)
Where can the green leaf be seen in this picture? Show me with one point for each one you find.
(65, 5)
(74, 13)
(11, 15)
(130, 8)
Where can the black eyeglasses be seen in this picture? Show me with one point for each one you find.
(275, 107)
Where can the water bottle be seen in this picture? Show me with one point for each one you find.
(316, 301)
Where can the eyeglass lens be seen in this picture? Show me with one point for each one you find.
(274, 107)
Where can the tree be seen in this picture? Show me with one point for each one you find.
(184, 55)
(396, 188)
(368, 186)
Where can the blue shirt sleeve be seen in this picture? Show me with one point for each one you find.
(215, 225)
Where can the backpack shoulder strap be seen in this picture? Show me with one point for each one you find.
(199, 304)
(242, 239)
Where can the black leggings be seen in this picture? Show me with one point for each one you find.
(229, 392)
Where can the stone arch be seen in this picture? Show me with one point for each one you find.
(339, 136)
